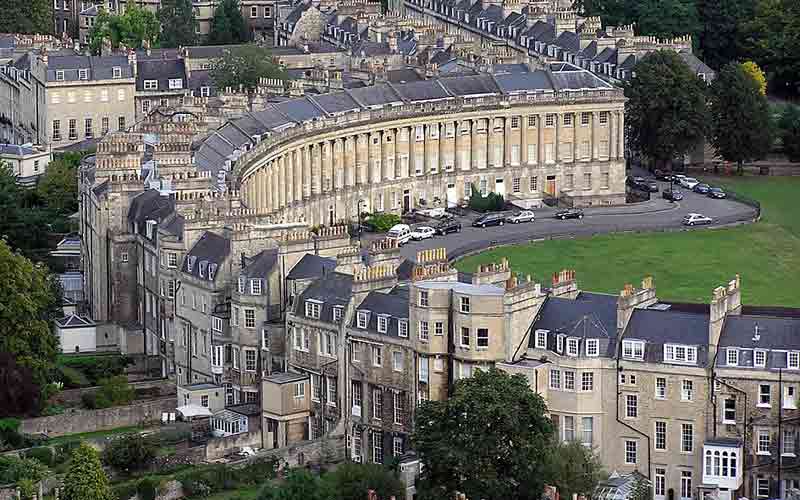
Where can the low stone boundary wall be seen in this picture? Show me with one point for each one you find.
(80, 421)
(219, 447)
(155, 388)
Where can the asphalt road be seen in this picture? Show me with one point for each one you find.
(655, 215)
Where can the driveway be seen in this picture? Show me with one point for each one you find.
(655, 215)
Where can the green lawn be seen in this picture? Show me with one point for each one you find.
(686, 266)
(90, 435)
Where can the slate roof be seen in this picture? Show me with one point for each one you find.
(403, 75)
(336, 102)
(201, 78)
(260, 265)
(569, 41)
(589, 316)
(16, 150)
(209, 51)
(211, 248)
(524, 82)
(471, 85)
(659, 327)
(310, 266)
(608, 55)
(697, 66)
(428, 90)
(367, 48)
(573, 78)
(377, 303)
(100, 67)
(334, 289)
(150, 205)
(162, 71)
(776, 335)
(285, 377)
(589, 51)
(74, 321)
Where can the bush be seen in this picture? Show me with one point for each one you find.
(12, 439)
(14, 469)
(174, 435)
(492, 202)
(72, 378)
(147, 488)
(382, 222)
(64, 451)
(114, 391)
(129, 452)
(203, 481)
(92, 370)
(43, 454)
(51, 410)
(258, 471)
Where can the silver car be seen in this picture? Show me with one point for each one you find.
(524, 216)
(696, 219)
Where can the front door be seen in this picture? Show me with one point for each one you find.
(406, 200)
(499, 187)
(452, 197)
(550, 185)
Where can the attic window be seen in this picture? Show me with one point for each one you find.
(83, 74)
(684, 354)
(255, 287)
(212, 270)
(175, 83)
(402, 328)
(793, 360)
(203, 267)
(151, 84)
(572, 347)
(190, 263)
(241, 285)
(313, 308)
(633, 349)
(383, 323)
(116, 72)
(60, 75)
(592, 347)
(363, 319)
(337, 314)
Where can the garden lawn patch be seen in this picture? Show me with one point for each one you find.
(686, 266)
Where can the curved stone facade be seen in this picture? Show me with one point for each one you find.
(526, 143)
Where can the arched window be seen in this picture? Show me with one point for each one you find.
(724, 463)
(733, 465)
(708, 462)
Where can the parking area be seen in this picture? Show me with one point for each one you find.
(656, 214)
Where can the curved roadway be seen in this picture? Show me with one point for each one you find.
(655, 215)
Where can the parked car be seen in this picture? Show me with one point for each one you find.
(434, 213)
(634, 181)
(701, 188)
(401, 233)
(569, 213)
(524, 216)
(491, 219)
(696, 219)
(643, 184)
(689, 182)
(663, 176)
(448, 226)
(672, 194)
(677, 178)
(717, 193)
(422, 233)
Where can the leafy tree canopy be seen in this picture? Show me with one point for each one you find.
(31, 301)
(772, 38)
(574, 468)
(245, 66)
(472, 443)
(178, 18)
(351, 482)
(721, 29)
(129, 452)
(666, 113)
(662, 18)
(736, 99)
(58, 187)
(299, 485)
(86, 479)
(227, 25)
(19, 395)
(754, 72)
(29, 17)
(132, 29)
(789, 125)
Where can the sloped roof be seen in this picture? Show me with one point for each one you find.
(311, 266)
(211, 248)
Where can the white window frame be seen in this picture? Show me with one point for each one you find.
(397, 365)
(249, 317)
(175, 83)
(793, 360)
(660, 432)
(555, 379)
(687, 390)
(587, 381)
(541, 339)
(687, 431)
(150, 85)
(362, 319)
(402, 328)
(759, 491)
(658, 388)
(255, 286)
(764, 402)
(592, 348)
(633, 349)
(631, 406)
(763, 445)
(726, 411)
(383, 323)
(464, 305)
(732, 356)
(313, 308)
(377, 355)
(216, 324)
(763, 354)
(573, 347)
(630, 447)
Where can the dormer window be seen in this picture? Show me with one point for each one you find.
(212, 270)
(60, 75)
(151, 84)
(541, 339)
(83, 74)
(684, 354)
(241, 285)
(732, 356)
(362, 319)
(313, 308)
(116, 72)
(760, 358)
(559, 343)
(633, 349)
(402, 328)
(337, 314)
(383, 323)
(255, 287)
(572, 347)
(175, 83)
(592, 347)
(190, 263)
(793, 360)
(423, 298)
(203, 267)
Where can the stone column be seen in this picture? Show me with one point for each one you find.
(621, 135)
(489, 135)
(316, 164)
(594, 152)
(282, 181)
(473, 140)
(307, 169)
(328, 172)
(557, 152)
(523, 139)
(268, 186)
(261, 186)
(426, 145)
(507, 141)
(298, 174)
(540, 139)
(575, 138)
(442, 146)
(290, 179)
(612, 144)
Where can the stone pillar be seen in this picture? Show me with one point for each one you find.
(426, 145)
(298, 174)
(594, 152)
(442, 126)
(507, 141)
(575, 138)
(523, 139)
(612, 144)
(489, 135)
(473, 139)
(307, 169)
(621, 135)
(557, 152)
(316, 166)
(409, 151)
(327, 178)
(539, 146)
(268, 186)
(282, 181)
(289, 178)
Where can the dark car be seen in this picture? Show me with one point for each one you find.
(448, 226)
(672, 194)
(649, 185)
(635, 181)
(716, 192)
(569, 213)
(701, 188)
(662, 176)
(493, 219)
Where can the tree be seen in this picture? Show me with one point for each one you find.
(666, 18)
(574, 468)
(58, 187)
(720, 32)
(29, 17)
(13, 469)
(178, 16)
(227, 25)
(299, 485)
(772, 39)
(129, 452)
(736, 100)
(24, 225)
(31, 301)
(86, 479)
(789, 125)
(754, 72)
(666, 113)
(641, 489)
(471, 443)
(245, 66)
(132, 29)
(19, 394)
(351, 482)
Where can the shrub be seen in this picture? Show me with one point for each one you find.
(147, 488)
(114, 391)
(51, 410)
(174, 435)
(27, 489)
(129, 452)
(64, 451)
(258, 471)
(43, 454)
(203, 481)
(72, 378)
(14, 469)
(382, 222)
(492, 202)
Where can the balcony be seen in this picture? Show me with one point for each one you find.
(723, 463)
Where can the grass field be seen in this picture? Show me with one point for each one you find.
(686, 266)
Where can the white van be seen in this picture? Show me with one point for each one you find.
(400, 233)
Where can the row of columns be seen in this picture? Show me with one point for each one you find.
(396, 153)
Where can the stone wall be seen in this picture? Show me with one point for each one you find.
(9, 492)
(153, 388)
(79, 421)
(328, 450)
(219, 447)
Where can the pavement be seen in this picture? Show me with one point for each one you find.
(654, 215)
